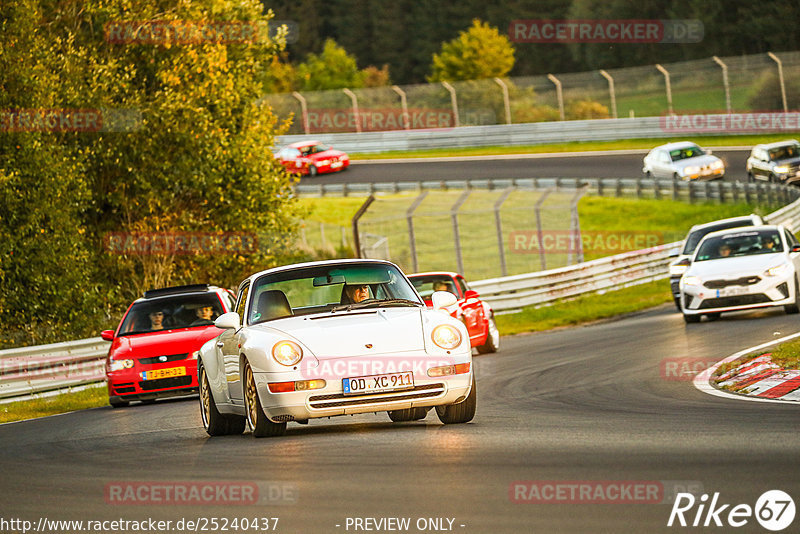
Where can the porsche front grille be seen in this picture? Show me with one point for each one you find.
(338, 400)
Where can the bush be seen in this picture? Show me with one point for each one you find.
(766, 93)
(586, 109)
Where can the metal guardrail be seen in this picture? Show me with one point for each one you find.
(604, 274)
(28, 371)
(722, 191)
(537, 133)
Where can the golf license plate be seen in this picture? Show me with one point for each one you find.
(378, 383)
(169, 372)
(336, 164)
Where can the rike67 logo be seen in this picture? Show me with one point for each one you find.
(774, 510)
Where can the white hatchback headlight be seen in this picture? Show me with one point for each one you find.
(287, 352)
(691, 169)
(691, 281)
(446, 336)
(779, 270)
(717, 165)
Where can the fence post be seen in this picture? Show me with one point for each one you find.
(691, 192)
(354, 101)
(559, 94)
(747, 187)
(575, 227)
(539, 234)
(777, 60)
(612, 93)
(506, 103)
(619, 187)
(725, 83)
(453, 102)
(675, 193)
(499, 227)
(735, 192)
(664, 71)
(410, 220)
(361, 211)
(456, 235)
(403, 106)
(303, 110)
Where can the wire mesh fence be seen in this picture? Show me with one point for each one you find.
(735, 84)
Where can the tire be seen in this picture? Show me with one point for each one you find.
(677, 303)
(256, 418)
(312, 170)
(750, 177)
(215, 423)
(409, 414)
(714, 316)
(462, 412)
(791, 309)
(675, 176)
(492, 343)
(648, 175)
(691, 318)
(116, 402)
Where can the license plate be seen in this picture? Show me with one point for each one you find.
(336, 164)
(169, 372)
(732, 291)
(378, 383)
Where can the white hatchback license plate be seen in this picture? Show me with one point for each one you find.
(732, 291)
(378, 383)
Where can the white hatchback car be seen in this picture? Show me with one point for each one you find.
(682, 161)
(334, 338)
(742, 268)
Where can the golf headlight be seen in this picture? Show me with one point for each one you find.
(324, 161)
(691, 281)
(446, 336)
(717, 165)
(119, 365)
(778, 270)
(194, 355)
(692, 169)
(287, 353)
(782, 169)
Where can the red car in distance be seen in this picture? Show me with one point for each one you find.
(154, 350)
(476, 314)
(310, 158)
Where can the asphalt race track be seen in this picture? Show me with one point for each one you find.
(589, 403)
(627, 164)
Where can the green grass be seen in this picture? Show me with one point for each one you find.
(585, 309)
(67, 402)
(624, 144)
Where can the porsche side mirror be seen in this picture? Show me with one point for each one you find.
(228, 320)
(442, 299)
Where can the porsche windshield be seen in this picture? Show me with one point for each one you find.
(740, 244)
(327, 288)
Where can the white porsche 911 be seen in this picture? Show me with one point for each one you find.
(742, 268)
(334, 338)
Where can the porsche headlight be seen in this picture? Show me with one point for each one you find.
(119, 365)
(691, 281)
(779, 270)
(446, 336)
(287, 353)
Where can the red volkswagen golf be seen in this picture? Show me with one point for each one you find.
(154, 350)
(476, 314)
(312, 158)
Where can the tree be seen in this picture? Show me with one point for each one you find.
(334, 68)
(478, 53)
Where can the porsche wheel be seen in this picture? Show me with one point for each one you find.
(409, 414)
(462, 412)
(492, 343)
(256, 418)
(215, 423)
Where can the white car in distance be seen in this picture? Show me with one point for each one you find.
(334, 338)
(739, 269)
(682, 161)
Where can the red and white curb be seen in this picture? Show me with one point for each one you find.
(759, 380)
